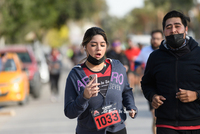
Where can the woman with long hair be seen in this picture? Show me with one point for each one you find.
(101, 103)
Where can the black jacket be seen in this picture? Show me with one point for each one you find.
(165, 73)
(121, 57)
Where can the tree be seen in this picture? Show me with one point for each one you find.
(183, 5)
(19, 17)
(149, 17)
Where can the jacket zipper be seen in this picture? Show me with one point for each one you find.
(177, 89)
(177, 104)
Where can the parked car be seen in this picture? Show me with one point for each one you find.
(25, 53)
(14, 83)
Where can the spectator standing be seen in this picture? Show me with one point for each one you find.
(131, 53)
(116, 52)
(55, 65)
(171, 79)
(78, 54)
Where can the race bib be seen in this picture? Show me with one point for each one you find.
(106, 116)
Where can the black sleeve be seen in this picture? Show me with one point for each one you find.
(124, 60)
(148, 82)
(198, 95)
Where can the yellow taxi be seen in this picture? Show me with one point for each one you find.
(14, 83)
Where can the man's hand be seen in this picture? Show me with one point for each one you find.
(157, 101)
(186, 95)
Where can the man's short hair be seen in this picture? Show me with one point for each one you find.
(157, 31)
(175, 13)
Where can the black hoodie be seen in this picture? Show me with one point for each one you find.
(165, 73)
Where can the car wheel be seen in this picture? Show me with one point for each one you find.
(36, 92)
(36, 89)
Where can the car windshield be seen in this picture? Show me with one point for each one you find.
(25, 58)
(9, 65)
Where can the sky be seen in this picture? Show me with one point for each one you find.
(121, 7)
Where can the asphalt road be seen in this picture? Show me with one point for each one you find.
(45, 117)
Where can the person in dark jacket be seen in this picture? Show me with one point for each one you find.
(117, 53)
(98, 106)
(171, 81)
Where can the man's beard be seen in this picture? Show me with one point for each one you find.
(154, 46)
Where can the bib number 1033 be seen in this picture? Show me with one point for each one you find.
(107, 119)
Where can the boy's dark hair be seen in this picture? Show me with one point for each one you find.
(156, 31)
(175, 13)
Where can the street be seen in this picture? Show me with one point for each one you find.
(44, 117)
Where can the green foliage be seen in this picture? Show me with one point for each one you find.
(144, 20)
(141, 20)
(181, 5)
(18, 17)
(150, 16)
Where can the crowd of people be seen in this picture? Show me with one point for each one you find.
(167, 72)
